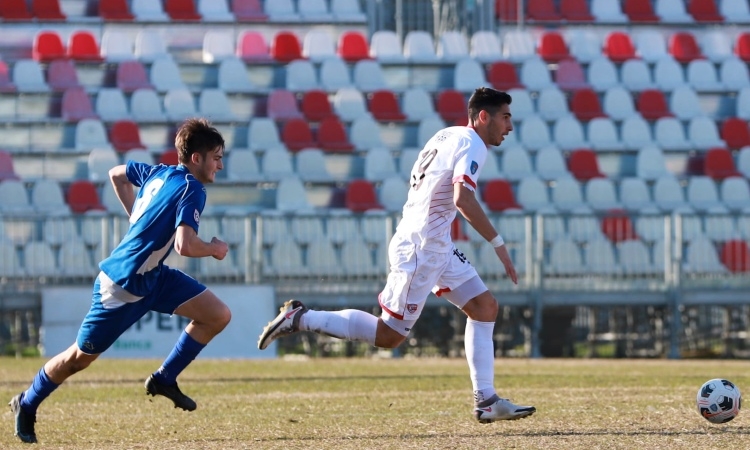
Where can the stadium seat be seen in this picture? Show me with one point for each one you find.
(138, 155)
(585, 105)
(285, 47)
(703, 133)
(498, 196)
(651, 45)
(427, 128)
(181, 10)
(518, 46)
(116, 46)
(552, 104)
(214, 105)
(602, 135)
(233, 77)
(76, 105)
(383, 105)
(6, 86)
(719, 164)
(584, 45)
(516, 164)
(618, 103)
(575, 11)
(639, 11)
(672, 11)
(742, 46)
(179, 104)
(349, 104)
(705, 11)
(736, 133)
(277, 165)
(652, 105)
(296, 135)
(618, 47)
(668, 194)
(467, 75)
(332, 136)
(535, 75)
(301, 76)
(735, 193)
(702, 193)
(419, 47)
(736, 11)
(124, 135)
(314, 11)
(532, 194)
(364, 134)
(565, 259)
(379, 165)
(702, 76)
(650, 164)
(607, 12)
(542, 11)
(361, 196)
(417, 104)
(100, 161)
(385, 46)
(583, 165)
(248, 11)
(82, 197)
(683, 47)
(702, 257)
(217, 45)
(7, 171)
(62, 75)
(535, 133)
(600, 258)
(318, 45)
(213, 11)
(602, 74)
(286, 260)
(47, 10)
(316, 106)
(634, 194)
(148, 11)
(47, 198)
(734, 74)
(669, 134)
(636, 75)
(503, 76)
(149, 45)
(48, 46)
(282, 105)
(523, 106)
(451, 106)
(313, 163)
(82, 46)
(618, 227)
(485, 46)
(252, 47)
(165, 76)
(570, 75)
(39, 260)
(452, 47)
(601, 195)
(552, 47)
(735, 255)
(635, 259)
(550, 164)
(242, 165)
(115, 10)
(15, 10)
(169, 157)
(145, 106)
(368, 76)
(89, 134)
(352, 46)
(567, 133)
(131, 75)
(743, 102)
(567, 196)
(716, 45)
(334, 75)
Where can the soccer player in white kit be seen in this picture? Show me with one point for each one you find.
(424, 259)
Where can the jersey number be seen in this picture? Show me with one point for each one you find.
(148, 193)
(417, 173)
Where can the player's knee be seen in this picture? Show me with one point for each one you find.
(223, 317)
(389, 340)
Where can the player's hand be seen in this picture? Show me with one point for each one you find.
(220, 248)
(510, 270)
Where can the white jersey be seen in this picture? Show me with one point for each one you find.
(454, 154)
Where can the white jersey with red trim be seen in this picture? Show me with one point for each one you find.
(452, 155)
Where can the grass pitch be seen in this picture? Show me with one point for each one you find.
(380, 404)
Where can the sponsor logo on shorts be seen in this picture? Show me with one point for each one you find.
(411, 308)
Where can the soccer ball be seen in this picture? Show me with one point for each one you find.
(719, 400)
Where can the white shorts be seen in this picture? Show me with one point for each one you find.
(415, 273)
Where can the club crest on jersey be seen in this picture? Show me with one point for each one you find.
(197, 216)
(411, 308)
(474, 167)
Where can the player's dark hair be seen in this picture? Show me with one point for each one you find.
(487, 99)
(196, 136)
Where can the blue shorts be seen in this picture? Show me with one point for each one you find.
(114, 310)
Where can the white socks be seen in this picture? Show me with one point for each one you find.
(349, 324)
(480, 354)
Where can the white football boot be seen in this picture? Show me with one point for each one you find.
(497, 408)
(287, 322)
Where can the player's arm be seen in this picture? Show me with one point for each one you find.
(187, 243)
(467, 204)
(123, 187)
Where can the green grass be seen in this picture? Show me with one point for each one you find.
(381, 404)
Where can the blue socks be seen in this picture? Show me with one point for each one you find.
(40, 389)
(183, 353)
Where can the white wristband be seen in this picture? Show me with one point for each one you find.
(497, 241)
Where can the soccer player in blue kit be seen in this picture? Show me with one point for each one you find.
(134, 280)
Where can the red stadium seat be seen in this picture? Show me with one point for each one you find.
(7, 171)
(498, 196)
(552, 47)
(282, 105)
(704, 11)
(503, 76)
(618, 47)
(719, 164)
(316, 106)
(6, 86)
(248, 11)
(585, 105)
(639, 11)
(683, 47)
(457, 230)
(575, 11)
(451, 106)
(542, 11)
(47, 46)
(296, 135)
(82, 46)
(62, 75)
(652, 105)
(169, 157)
(736, 133)
(361, 196)
(47, 10)
(735, 255)
(252, 47)
(570, 75)
(332, 136)
(286, 47)
(15, 10)
(131, 75)
(124, 135)
(618, 227)
(115, 10)
(506, 10)
(181, 10)
(582, 163)
(353, 47)
(384, 107)
(742, 46)
(82, 197)
(76, 105)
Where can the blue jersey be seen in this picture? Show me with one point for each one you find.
(169, 196)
